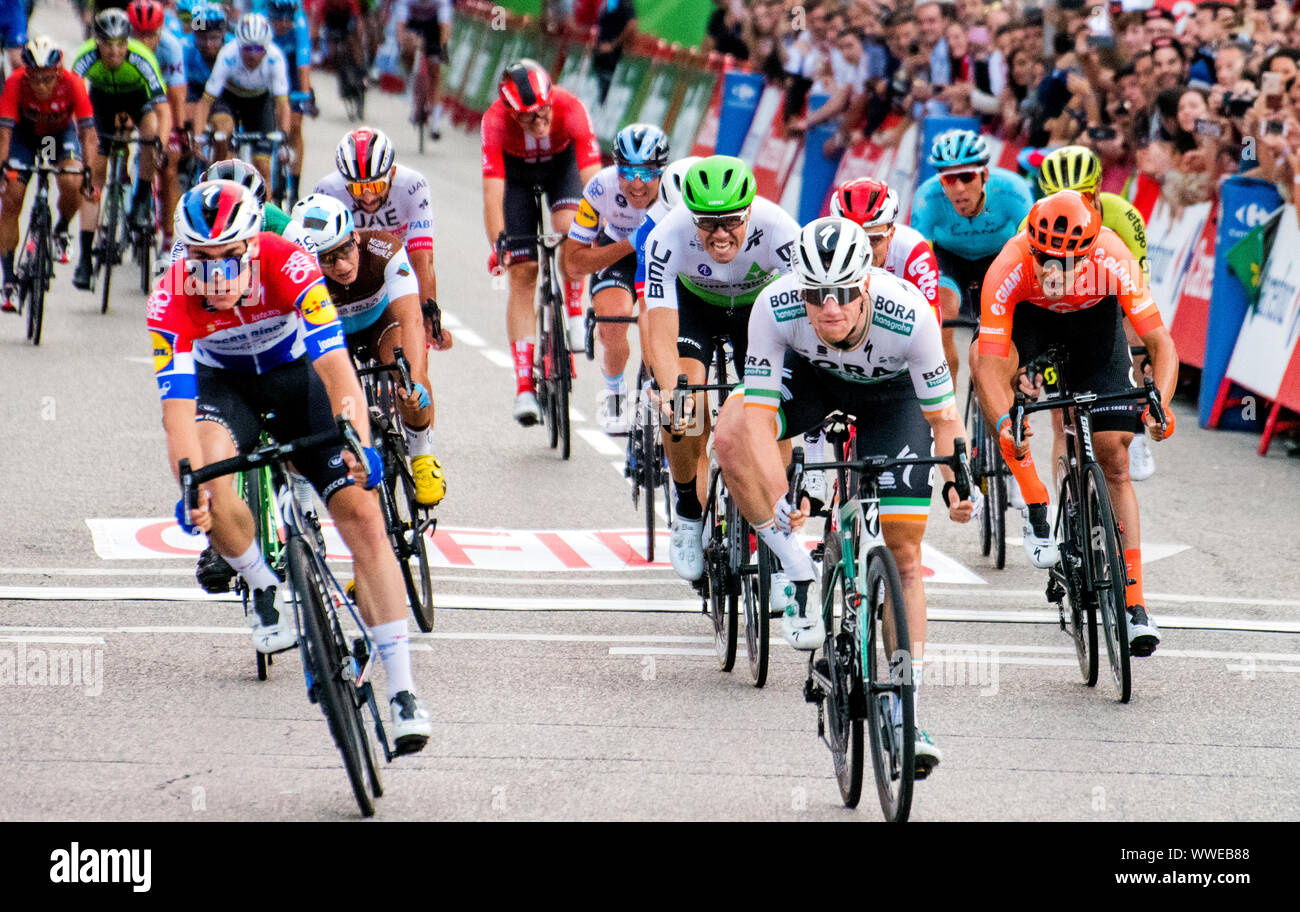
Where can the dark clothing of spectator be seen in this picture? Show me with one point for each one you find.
(613, 19)
(726, 40)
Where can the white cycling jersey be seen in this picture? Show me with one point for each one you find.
(229, 73)
(910, 257)
(900, 337)
(422, 11)
(673, 251)
(407, 213)
(604, 209)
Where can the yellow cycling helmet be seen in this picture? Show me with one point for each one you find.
(1070, 168)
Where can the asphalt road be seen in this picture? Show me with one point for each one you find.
(591, 693)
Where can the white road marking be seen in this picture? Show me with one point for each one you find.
(576, 416)
(469, 337)
(1150, 552)
(1037, 594)
(450, 319)
(599, 442)
(137, 359)
(45, 638)
(499, 358)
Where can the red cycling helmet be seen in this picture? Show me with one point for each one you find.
(145, 15)
(869, 203)
(525, 86)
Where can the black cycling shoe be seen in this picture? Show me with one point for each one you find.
(1143, 635)
(81, 276)
(213, 573)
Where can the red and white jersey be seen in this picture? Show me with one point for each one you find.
(407, 213)
(911, 258)
(570, 126)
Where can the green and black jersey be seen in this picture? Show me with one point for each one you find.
(139, 73)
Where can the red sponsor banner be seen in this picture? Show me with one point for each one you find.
(863, 159)
(1192, 316)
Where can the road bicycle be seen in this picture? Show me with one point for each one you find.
(552, 363)
(337, 672)
(342, 53)
(863, 672)
(408, 523)
(1090, 579)
(115, 233)
(989, 473)
(34, 265)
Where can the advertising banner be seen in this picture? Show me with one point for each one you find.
(740, 94)
(1267, 341)
(1189, 318)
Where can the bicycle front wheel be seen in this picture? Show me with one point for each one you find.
(891, 712)
(722, 598)
(996, 508)
(329, 668)
(37, 281)
(1109, 577)
(757, 586)
(563, 375)
(844, 671)
(108, 250)
(410, 546)
(1082, 609)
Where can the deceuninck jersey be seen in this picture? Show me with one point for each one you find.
(604, 209)
(288, 314)
(407, 213)
(673, 251)
(901, 337)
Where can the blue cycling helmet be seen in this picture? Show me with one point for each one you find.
(326, 221)
(281, 9)
(209, 17)
(958, 148)
(641, 144)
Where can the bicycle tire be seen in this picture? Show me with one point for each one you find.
(408, 546)
(722, 598)
(1109, 578)
(324, 661)
(369, 756)
(894, 764)
(144, 258)
(647, 480)
(843, 725)
(996, 507)
(563, 374)
(39, 269)
(978, 460)
(108, 245)
(757, 588)
(1083, 610)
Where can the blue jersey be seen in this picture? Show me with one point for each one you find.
(13, 24)
(172, 23)
(197, 70)
(295, 44)
(171, 59)
(1006, 203)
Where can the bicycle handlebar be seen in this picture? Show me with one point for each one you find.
(39, 167)
(191, 478)
(399, 364)
(592, 320)
(872, 466)
(1053, 359)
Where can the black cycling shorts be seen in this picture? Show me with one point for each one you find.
(364, 343)
(255, 114)
(616, 275)
(967, 276)
(699, 323)
(1097, 355)
(431, 33)
(560, 182)
(107, 105)
(889, 422)
(295, 396)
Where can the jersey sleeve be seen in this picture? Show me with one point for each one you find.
(587, 220)
(585, 147)
(146, 64)
(922, 270)
(652, 218)
(172, 339)
(322, 329)
(220, 73)
(174, 67)
(927, 365)
(302, 44)
(785, 234)
(923, 211)
(279, 81)
(661, 268)
(85, 59)
(399, 277)
(82, 111)
(1125, 273)
(493, 133)
(1004, 284)
(1128, 223)
(419, 223)
(9, 101)
(764, 356)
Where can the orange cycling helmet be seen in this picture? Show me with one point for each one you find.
(1063, 225)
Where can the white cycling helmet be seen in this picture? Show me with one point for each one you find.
(217, 212)
(365, 154)
(326, 222)
(40, 52)
(254, 29)
(832, 252)
(670, 185)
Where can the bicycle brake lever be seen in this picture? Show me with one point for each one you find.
(961, 469)
(403, 370)
(1018, 420)
(189, 493)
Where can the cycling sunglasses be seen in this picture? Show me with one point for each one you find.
(221, 269)
(953, 178)
(816, 297)
(540, 114)
(643, 173)
(379, 186)
(711, 223)
(252, 49)
(1065, 262)
(330, 257)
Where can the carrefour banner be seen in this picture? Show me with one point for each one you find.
(740, 95)
(1267, 340)
(1244, 203)
(818, 170)
(932, 127)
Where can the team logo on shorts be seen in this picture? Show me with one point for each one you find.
(163, 350)
(317, 309)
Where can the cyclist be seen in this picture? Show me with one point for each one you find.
(370, 280)
(670, 194)
(342, 21)
(1078, 168)
(599, 244)
(533, 134)
(180, 19)
(13, 31)
(241, 327)
(706, 263)
(274, 219)
(41, 102)
(248, 89)
(968, 211)
(290, 27)
(427, 22)
(147, 25)
(1067, 281)
(201, 48)
(838, 335)
(123, 79)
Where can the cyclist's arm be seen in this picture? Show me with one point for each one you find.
(998, 299)
(6, 134)
(343, 389)
(182, 434)
(661, 309)
(203, 110)
(283, 113)
(494, 218)
(587, 173)
(932, 383)
(583, 259)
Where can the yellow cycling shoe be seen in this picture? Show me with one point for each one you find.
(430, 486)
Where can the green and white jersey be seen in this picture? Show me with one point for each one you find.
(673, 252)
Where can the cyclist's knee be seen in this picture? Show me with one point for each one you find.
(1112, 454)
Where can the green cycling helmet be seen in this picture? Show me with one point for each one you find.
(719, 183)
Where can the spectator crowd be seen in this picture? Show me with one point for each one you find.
(1183, 101)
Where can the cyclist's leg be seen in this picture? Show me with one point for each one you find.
(564, 192)
(520, 214)
(402, 324)
(697, 325)
(169, 187)
(295, 145)
(21, 149)
(613, 292)
(227, 425)
(257, 115)
(221, 119)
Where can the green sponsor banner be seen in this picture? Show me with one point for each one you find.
(682, 21)
(621, 105)
(465, 39)
(658, 98)
(696, 95)
(479, 78)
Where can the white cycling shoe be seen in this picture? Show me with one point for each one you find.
(409, 721)
(612, 412)
(1040, 546)
(802, 629)
(1141, 464)
(686, 549)
(527, 412)
(272, 621)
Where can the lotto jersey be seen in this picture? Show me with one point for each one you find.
(286, 315)
(407, 213)
(910, 257)
(604, 209)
